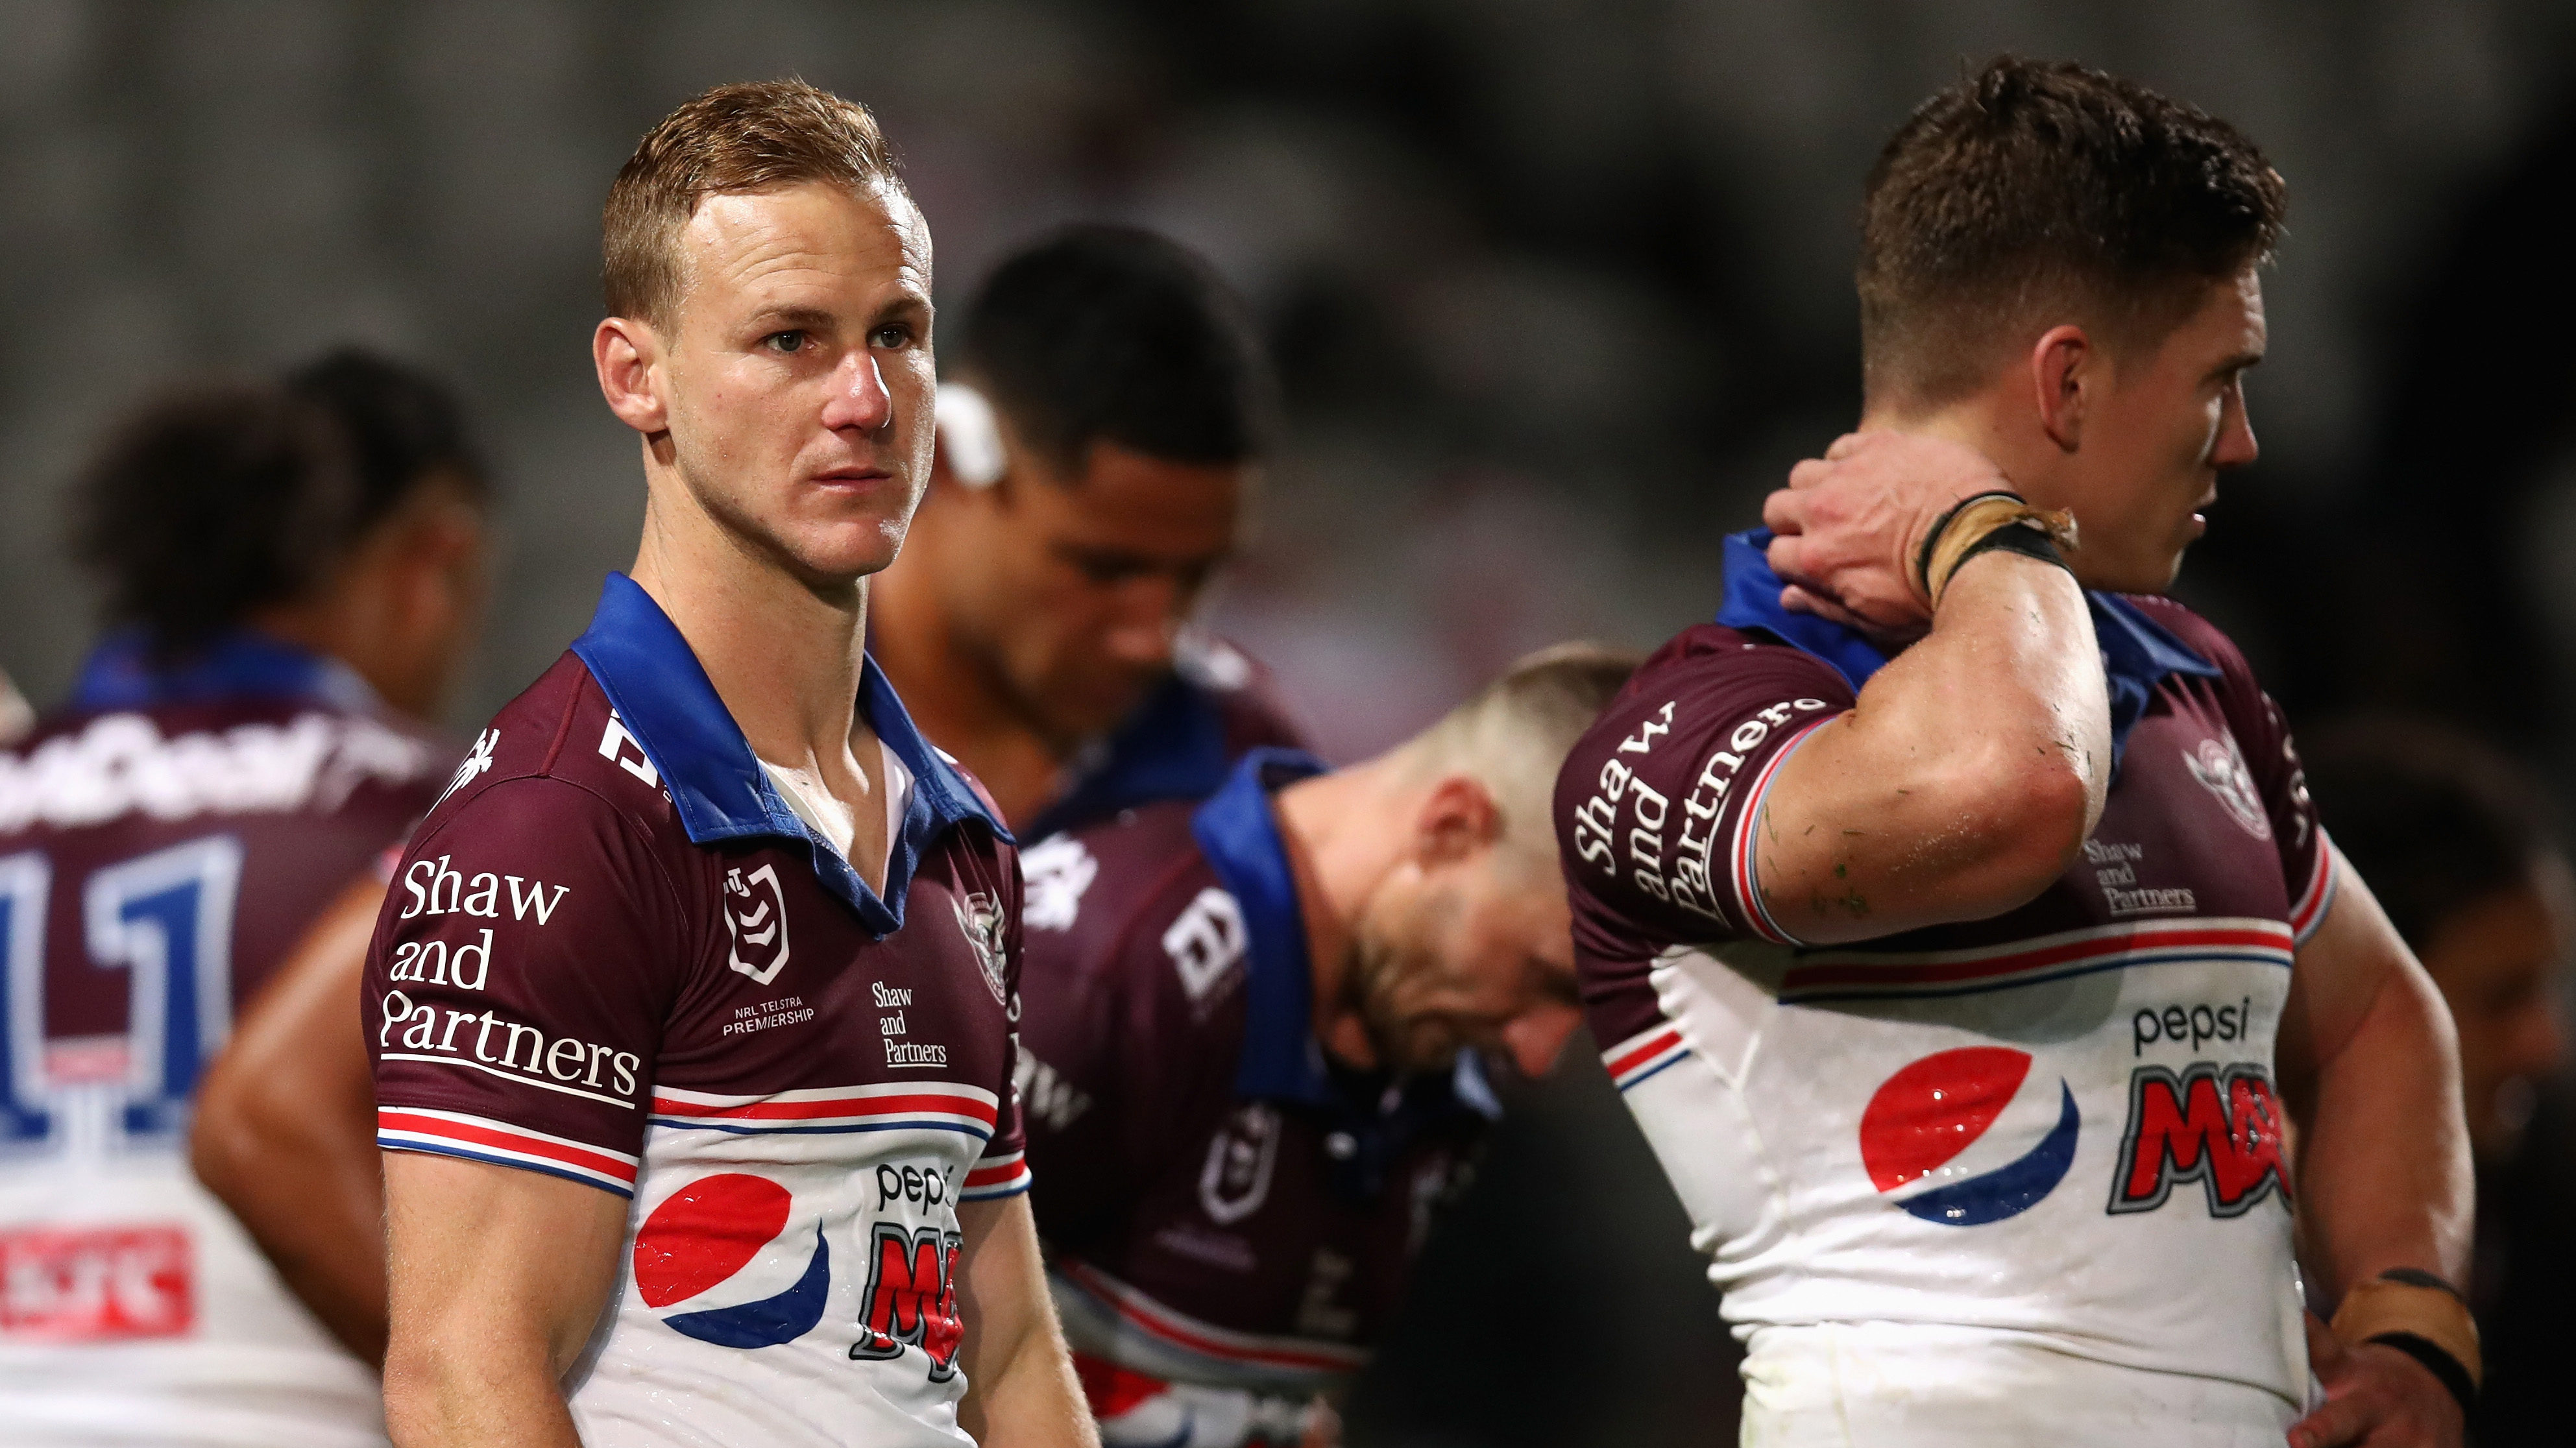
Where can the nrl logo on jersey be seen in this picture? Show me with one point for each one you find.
(979, 918)
(2221, 770)
(755, 916)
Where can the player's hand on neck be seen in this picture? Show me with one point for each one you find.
(784, 408)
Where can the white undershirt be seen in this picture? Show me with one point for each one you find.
(825, 814)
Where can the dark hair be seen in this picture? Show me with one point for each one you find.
(2434, 820)
(2034, 185)
(1111, 333)
(216, 499)
(402, 424)
(750, 137)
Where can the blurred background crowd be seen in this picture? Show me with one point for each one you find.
(1558, 289)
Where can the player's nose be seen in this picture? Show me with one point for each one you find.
(859, 399)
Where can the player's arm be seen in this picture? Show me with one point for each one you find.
(498, 1277)
(285, 1123)
(1020, 1387)
(2370, 1072)
(1974, 765)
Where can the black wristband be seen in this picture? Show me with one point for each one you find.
(2437, 1362)
(2025, 538)
(2418, 1277)
(1941, 525)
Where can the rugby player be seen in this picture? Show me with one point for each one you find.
(1959, 929)
(293, 573)
(1251, 1051)
(691, 1005)
(1107, 407)
(1110, 407)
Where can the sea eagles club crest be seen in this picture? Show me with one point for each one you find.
(980, 919)
(2221, 770)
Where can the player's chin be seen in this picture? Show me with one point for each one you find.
(842, 550)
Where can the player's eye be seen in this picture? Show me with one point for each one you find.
(891, 336)
(788, 343)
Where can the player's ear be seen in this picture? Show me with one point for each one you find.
(2064, 366)
(1458, 818)
(627, 355)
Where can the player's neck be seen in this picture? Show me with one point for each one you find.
(782, 655)
(1996, 422)
(1339, 849)
(953, 692)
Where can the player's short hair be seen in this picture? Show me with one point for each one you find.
(2038, 192)
(735, 139)
(2433, 819)
(1513, 734)
(1110, 333)
(215, 499)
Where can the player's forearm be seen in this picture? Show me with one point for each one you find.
(2384, 1174)
(1971, 769)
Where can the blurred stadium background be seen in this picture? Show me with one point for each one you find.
(1559, 289)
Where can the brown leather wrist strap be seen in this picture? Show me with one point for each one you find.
(1960, 534)
(2426, 1310)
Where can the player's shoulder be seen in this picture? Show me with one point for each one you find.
(1243, 691)
(1707, 680)
(1102, 899)
(2193, 632)
(557, 769)
(1086, 885)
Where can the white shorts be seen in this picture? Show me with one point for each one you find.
(1905, 1385)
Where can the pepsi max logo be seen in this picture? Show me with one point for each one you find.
(1924, 1118)
(718, 1248)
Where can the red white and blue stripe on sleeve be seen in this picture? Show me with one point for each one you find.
(2316, 893)
(1745, 859)
(1644, 1054)
(480, 1138)
(996, 1177)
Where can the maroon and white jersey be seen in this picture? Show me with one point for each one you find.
(1222, 1207)
(2024, 1174)
(162, 846)
(615, 953)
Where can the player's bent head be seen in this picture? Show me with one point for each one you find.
(341, 507)
(1468, 942)
(2451, 837)
(2082, 252)
(1128, 403)
(768, 283)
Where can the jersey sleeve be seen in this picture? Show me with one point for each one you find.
(1003, 1169)
(1654, 808)
(528, 956)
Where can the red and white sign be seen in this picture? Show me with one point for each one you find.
(96, 1284)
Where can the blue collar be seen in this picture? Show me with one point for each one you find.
(662, 696)
(1172, 747)
(1281, 1059)
(1235, 828)
(2137, 652)
(120, 673)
